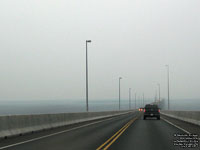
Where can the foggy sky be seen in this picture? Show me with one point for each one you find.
(42, 48)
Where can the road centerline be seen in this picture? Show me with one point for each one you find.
(115, 136)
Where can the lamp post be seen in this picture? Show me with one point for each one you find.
(87, 41)
(129, 98)
(168, 84)
(159, 90)
(156, 96)
(119, 91)
(143, 99)
(135, 99)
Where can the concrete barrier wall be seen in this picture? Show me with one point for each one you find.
(21, 124)
(188, 116)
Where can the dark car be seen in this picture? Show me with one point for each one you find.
(151, 111)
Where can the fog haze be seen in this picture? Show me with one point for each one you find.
(42, 48)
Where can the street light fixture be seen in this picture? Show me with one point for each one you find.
(129, 98)
(159, 90)
(119, 91)
(168, 84)
(87, 41)
(143, 99)
(135, 99)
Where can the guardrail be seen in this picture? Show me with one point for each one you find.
(188, 116)
(21, 124)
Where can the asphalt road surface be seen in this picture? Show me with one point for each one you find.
(126, 132)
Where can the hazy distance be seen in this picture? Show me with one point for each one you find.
(42, 48)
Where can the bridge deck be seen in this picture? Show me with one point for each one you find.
(123, 132)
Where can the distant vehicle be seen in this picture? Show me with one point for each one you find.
(151, 111)
(141, 109)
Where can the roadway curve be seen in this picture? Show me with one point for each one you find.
(125, 132)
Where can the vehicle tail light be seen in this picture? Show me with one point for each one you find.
(144, 110)
(158, 110)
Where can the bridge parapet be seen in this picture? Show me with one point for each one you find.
(188, 116)
(20, 124)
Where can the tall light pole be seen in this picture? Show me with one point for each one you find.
(168, 84)
(159, 90)
(119, 91)
(87, 41)
(155, 95)
(135, 99)
(143, 99)
(129, 98)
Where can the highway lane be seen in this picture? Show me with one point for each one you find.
(84, 138)
(148, 135)
(127, 132)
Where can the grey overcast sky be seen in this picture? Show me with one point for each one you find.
(42, 48)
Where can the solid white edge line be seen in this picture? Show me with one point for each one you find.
(64, 131)
(176, 126)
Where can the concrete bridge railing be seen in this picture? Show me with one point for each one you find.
(188, 116)
(21, 124)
